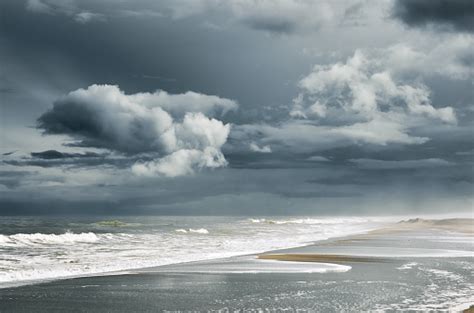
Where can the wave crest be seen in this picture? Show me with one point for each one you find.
(192, 230)
(307, 221)
(39, 238)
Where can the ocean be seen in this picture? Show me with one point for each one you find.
(33, 249)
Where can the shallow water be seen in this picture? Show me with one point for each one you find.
(384, 287)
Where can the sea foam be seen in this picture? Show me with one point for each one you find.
(39, 238)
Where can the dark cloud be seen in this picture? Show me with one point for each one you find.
(103, 116)
(456, 15)
(282, 17)
(174, 127)
(278, 163)
(54, 154)
(273, 25)
(241, 191)
(69, 162)
(54, 158)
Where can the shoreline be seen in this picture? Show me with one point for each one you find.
(451, 224)
(343, 272)
(153, 268)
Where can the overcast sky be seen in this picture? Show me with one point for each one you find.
(249, 107)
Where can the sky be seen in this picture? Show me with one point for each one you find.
(240, 107)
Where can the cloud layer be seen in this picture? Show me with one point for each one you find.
(392, 123)
(172, 127)
(272, 16)
(63, 7)
(456, 15)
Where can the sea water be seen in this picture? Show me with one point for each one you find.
(34, 249)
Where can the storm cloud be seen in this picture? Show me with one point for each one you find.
(54, 154)
(102, 116)
(454, 15)
(235, 107)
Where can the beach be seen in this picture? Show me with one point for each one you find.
(413, 265)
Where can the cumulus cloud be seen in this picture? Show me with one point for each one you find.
(360, 91)
(454, 15)
(102, 116)
(179, 104)
(181, 162)
(362, 101)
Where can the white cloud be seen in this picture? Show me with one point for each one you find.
(361, 89)
(86, 17)
(181, 162)
(255, 148)
(179, 104)
(196, 143)
(360, 99)
(103, 116)
(301, 136)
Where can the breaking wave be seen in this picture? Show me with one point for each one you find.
(309, 221)
(191, 230)
(39, 238)
(37, 256)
